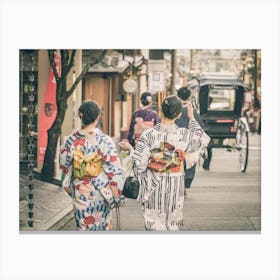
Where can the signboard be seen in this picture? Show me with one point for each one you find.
(129, 85)
(156, 79)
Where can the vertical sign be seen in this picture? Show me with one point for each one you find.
(156, 79)
(48, 110)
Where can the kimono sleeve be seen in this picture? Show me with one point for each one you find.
(112, 165)
(66, 155)
(197, 143)
(142, 152)
(157, 119)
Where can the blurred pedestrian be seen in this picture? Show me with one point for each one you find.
(208, 155)
(257, 112)
(159, 160)
(183, 121)
(207, 160)
(142, 119)
(92, 172)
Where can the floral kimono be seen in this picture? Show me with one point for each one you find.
(159, 157)
(91, 168)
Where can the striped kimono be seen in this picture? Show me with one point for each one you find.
(162, 193)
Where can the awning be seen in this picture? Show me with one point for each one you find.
(113, 62)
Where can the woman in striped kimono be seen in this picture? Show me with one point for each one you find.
(158, 157)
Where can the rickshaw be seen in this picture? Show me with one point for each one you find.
(221, 100)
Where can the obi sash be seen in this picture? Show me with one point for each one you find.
(87, 166)
(167, 159)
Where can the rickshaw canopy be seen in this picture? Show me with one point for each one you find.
(221, 79)
(228, 82)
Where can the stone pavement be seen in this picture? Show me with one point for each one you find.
(51, 204)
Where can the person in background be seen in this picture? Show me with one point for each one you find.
(183, 121)
(257, 113)
(146, 116)
(207, 160)
(159, 160)
(92, 172)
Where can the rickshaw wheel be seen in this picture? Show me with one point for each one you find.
(242, 145)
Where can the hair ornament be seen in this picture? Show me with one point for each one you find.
(80, 115)
(166, 102)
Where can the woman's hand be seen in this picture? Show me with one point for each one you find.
(116, 195)
(190, 111)
(115, 192)
(125, 146)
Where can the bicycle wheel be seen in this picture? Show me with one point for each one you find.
(242, 146)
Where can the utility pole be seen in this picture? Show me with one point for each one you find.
(191, 59)
(255, 72)
(173, 70)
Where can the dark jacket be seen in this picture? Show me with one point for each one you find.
(183, 121)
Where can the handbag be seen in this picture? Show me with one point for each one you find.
(131, 185)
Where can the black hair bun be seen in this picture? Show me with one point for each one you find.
(183, 93)
(171, 107)
(89, 111)
(144, 99)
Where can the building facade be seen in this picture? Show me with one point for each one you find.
(116, 84)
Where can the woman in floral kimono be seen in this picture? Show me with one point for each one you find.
(92, 172)
(159, 157)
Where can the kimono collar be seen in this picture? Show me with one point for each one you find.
(93, 131)
(148, 107)
(168, 128)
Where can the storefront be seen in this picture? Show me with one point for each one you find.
(37, 105)
(103, 83)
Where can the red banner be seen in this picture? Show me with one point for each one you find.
(48, 110)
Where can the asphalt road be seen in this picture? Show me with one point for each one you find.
(223, 199)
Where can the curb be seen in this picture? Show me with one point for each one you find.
(54, 220)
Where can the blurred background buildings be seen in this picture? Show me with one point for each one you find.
(117, 82)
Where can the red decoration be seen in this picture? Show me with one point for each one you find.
(89, 220)
(48, 110)
(113, 158)
(79, 142)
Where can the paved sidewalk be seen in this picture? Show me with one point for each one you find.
(51, 204)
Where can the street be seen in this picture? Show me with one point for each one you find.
(222, 199)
